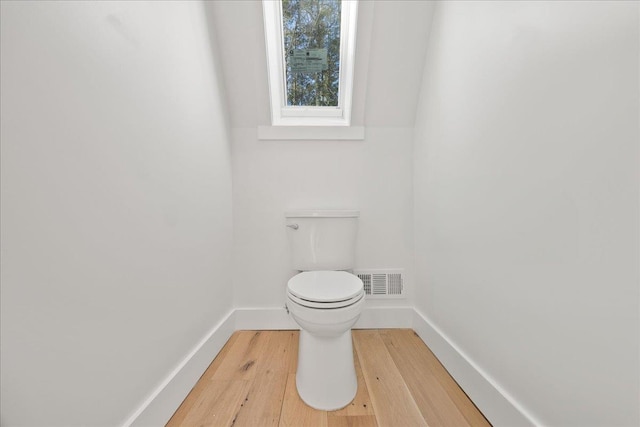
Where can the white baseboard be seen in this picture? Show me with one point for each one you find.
(264, 319)
(277, 318)
(385, 317)
(158, 408)
(494, 402)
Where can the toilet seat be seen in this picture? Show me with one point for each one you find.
(325, 305)
(326, 287)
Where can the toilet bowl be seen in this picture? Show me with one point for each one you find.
(326, 304)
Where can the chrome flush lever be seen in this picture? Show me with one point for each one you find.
(294, 226)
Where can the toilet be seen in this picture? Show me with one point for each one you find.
(325, 299)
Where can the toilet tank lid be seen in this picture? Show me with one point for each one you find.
(338, 213)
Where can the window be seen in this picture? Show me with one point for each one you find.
(311, 33)
(310, 55)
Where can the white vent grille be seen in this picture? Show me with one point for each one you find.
(382, 283)
(366, 281)
(394, 284)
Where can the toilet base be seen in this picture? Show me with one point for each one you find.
(326, 375)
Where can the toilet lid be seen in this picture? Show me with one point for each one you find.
(325, 286)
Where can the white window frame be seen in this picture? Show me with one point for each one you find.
(284, 115)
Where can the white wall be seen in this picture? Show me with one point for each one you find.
(271, 177)
(526, 194)
(116, 204)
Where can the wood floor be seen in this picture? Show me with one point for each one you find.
(400, 383)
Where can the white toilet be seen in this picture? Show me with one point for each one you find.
(326, 301)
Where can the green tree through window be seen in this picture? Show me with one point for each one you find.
(312, 25)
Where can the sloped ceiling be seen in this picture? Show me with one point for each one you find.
(391, 47)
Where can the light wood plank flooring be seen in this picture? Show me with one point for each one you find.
(252, 382)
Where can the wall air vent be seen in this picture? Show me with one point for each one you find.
(387, 283)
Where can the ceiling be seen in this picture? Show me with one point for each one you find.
(390, 52)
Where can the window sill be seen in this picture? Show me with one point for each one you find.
(311, 132)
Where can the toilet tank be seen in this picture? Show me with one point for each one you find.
(322, 239)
